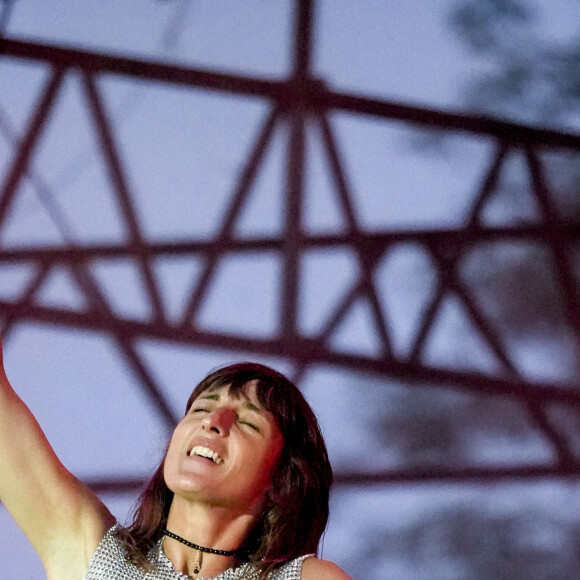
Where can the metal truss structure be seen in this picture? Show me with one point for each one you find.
(294, 103)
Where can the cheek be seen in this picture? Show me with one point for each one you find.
(271, 457)
(168, 468)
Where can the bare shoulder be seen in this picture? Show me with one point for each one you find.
(317, 569)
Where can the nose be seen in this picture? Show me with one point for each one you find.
(219, 421)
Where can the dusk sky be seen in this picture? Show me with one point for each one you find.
(183, 150)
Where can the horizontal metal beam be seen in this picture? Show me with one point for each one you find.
(487, 474)
(304, 350)
(309, 93)
(381, 240)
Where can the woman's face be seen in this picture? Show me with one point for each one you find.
(224, 450)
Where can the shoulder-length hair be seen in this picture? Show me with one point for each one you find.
(295, 510)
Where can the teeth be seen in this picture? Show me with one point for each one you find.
(206, 452)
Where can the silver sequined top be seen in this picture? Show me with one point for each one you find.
(109, 563)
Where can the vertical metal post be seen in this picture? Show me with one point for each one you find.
(303, 38)
(295, 167)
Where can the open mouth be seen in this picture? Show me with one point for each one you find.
(202, 451)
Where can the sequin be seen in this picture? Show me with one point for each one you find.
(109, 563)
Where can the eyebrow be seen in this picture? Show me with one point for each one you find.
(251, 407)
(208, 397)
(247, 404)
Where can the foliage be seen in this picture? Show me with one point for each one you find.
(461, 542)
(530, 77)
(533, 76)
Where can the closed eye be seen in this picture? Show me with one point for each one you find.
(251, 425)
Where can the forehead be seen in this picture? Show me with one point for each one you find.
(246, 391)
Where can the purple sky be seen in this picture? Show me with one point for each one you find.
(183, 152)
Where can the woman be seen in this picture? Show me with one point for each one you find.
(242, 491)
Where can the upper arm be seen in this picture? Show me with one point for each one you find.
(52, 507)
(316, 569)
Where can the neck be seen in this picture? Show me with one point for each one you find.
(207, 526)
(204, 549)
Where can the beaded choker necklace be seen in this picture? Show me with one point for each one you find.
(197, 565)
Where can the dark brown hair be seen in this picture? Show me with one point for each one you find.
(295, 510)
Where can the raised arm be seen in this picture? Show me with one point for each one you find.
(63, 520)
